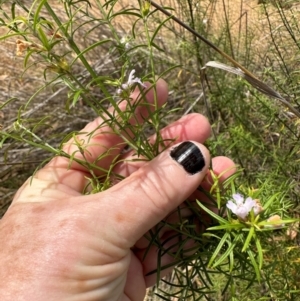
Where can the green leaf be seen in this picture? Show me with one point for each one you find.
(7, 102)
(13, 10)
(271, 200)
(76, 96)
(248, 239)
(88, 49)
(218, 249)
(157, 47)
(254, 263)
(27, 57)
(158, 28)
(228, 226)
(212, 214)
(126, 12)
(227, 253)
(260, 252)
(3, 137)
(43, 37)
(37, 12)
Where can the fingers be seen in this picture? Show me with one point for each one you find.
(153, 191)
(173, 248)
(180, 130)
(222, 167)
(99, 141)
(100, 136)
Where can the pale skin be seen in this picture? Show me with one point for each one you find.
(58, 244)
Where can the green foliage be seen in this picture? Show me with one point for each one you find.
(232, 259)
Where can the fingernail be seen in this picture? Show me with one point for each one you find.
(189, 156)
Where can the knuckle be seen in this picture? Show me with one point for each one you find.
(158, 190)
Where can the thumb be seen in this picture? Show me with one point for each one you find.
(155, 190)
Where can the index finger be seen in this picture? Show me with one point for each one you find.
(100, 142)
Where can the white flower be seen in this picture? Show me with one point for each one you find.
(241, 207)
(126, 43)
(123, 40)
(131, 81)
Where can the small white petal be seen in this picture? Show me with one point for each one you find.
(131, 76)
(131, 81)
(241, 207)
(249, 203)
(138, 80)
(238, 198)
(242, 212)
(232, 206)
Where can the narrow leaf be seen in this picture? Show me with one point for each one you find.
(248, 239)
(212, 214)
(260, 252)
(218, 249)
(254, 264)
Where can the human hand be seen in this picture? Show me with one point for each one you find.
(57, 244)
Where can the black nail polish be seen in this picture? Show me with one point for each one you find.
(189, 156)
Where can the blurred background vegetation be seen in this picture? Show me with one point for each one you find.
(259, 133)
